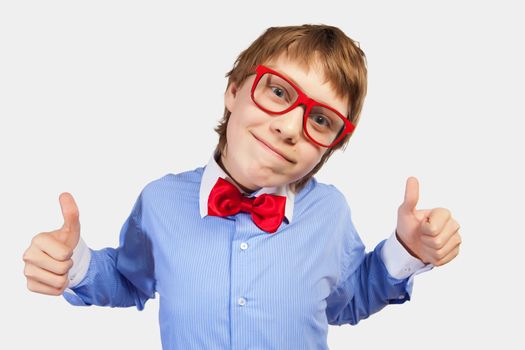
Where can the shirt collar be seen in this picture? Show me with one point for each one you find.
(213, 171)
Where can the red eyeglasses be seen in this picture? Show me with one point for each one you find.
(275, 94)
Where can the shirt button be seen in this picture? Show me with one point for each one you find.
(241, 301)
(244, 245)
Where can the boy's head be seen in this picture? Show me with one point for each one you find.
(264, 144)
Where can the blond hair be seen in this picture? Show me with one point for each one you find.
(340, 58)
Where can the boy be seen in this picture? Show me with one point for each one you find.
(251, 251)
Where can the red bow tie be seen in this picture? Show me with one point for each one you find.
(267, 209)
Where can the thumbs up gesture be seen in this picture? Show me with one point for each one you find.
(432, 236)
(48, 258)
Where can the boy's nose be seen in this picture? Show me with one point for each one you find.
(289, 125)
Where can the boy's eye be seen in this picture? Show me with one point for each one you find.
(278, 91)
(320, 120)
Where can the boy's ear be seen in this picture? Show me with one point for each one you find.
(230, 96)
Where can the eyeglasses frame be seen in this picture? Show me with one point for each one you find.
(302, 99)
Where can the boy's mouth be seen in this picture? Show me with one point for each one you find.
(273, 149)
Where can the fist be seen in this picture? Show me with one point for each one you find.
(48, 258)
(432, 236)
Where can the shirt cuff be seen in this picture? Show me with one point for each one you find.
(399, 263)
(81, 258)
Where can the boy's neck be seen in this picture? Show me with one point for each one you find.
(218, 159)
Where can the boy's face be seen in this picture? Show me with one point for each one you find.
(266, 150)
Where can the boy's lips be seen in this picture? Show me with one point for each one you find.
(275, 150)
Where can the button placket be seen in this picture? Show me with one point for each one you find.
(241, 274)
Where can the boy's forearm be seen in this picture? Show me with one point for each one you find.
(366, 291)
(105, 285)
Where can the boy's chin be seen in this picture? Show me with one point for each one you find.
(272, 182)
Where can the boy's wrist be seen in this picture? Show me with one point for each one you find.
(399, 262)
(81, 259)
(405, 246)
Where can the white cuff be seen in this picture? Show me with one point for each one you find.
(399, 263)
(81, 258)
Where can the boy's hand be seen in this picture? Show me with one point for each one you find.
(430, 235)
(48, 258)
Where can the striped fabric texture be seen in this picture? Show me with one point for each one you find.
(225, 284)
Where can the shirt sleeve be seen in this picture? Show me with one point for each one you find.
(399, 262)
(115, 277)
(365, 285)
(81, 259)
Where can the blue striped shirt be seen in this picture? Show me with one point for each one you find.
(225, 284)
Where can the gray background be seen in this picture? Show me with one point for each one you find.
(98, 98)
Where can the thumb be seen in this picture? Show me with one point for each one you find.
(71, 219)
(411, 195)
